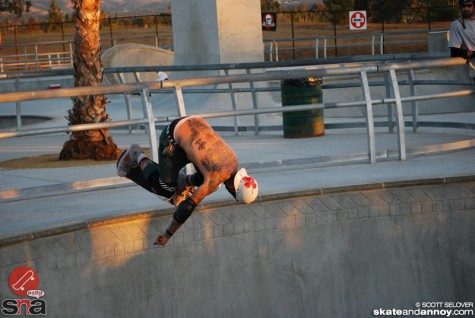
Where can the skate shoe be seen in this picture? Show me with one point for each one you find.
(128, 160)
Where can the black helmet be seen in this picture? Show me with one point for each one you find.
(465, 1)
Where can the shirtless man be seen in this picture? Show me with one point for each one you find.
(462, 35)
(187, 140)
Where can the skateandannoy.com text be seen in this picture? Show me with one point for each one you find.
(432, 309)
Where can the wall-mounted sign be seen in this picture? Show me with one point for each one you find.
(358, 20)
(269, 21)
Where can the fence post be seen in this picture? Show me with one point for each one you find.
(334, 33)
(16, 41)
(110, 31)
(428, 17)
(293, 33)
(155, 19)
(382, 27)
(62, 35)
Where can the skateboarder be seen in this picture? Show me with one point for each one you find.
(462, 35)
(187, 140)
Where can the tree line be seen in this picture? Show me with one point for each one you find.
(15, 6)
(56, 19)
(389, 11)
(330, 11)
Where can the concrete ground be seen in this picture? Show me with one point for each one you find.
(33, 200)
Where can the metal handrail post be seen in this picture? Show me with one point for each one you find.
(317, 42)
(325, 48)
(180, 100)
(254, 103)
(37, 62)
(128, 103)
(233, 102)
(271, 45)
(71, 54)
(373, 41)
(415, 106)
(182, 112)
(18, 106)
(276, 50)
(128, 100)
(25, 58)
(389, 105)
(369, 117)
(399, 116)
(152, 134)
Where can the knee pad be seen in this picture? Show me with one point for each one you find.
(184, 210)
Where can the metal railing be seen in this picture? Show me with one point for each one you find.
(36, 61)
(33, 59)
(120, 72)
(362, 70)
(373, 43)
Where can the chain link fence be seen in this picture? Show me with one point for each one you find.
(299, 35)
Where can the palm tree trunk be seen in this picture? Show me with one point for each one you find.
(88, 71)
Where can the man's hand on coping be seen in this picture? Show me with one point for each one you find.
(162, 239)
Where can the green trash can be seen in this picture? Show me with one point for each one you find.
(307, 123)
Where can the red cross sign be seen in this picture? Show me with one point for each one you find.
(358, 20)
